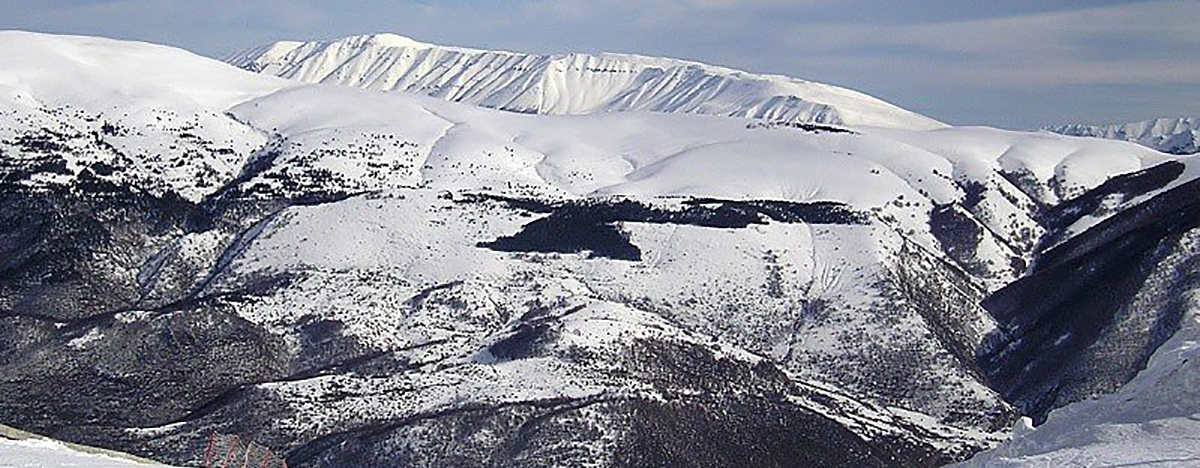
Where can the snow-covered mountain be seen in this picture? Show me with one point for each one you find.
(569, 83)
(1169, 135)
(357, 278)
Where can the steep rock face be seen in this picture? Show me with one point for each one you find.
(1169, 135)
(569, 83)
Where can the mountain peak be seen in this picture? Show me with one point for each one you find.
(383, 39)
(390, 39)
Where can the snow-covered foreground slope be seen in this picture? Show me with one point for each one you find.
(44, 453)
(569, 83)
(358, 278)
(1170, 135)
(1153, 420)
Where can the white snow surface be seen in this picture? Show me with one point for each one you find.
(571, 83)
(654, 155)
(46, 453)
(53, 69)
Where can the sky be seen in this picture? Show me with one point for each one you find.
(1008, 63)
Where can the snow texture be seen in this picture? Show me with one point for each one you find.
(46, 453)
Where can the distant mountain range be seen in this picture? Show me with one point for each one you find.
(569, 83)
(1179, 135)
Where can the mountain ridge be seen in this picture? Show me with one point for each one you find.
(569, 83)
(1173, 135)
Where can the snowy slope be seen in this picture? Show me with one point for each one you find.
(45, 453)
(87, 71)
(569, 83)
(900, 175)
(153, 113)
(1170, 135)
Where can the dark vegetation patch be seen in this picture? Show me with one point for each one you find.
(807, 127)
(593, 225)
(45, 141)
(139, 373)
(1028, 184)
(521, 204)
(528, 338)
(959, 236)
(1154, 211)
(972, 193)
(534, 335)
(48, 238)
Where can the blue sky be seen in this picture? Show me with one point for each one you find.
(1007, 63)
